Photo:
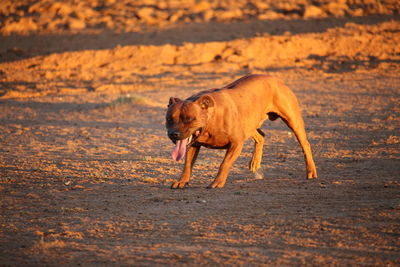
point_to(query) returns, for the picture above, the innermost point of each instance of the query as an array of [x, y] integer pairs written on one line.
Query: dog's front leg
[[231, 155], [190, 158]]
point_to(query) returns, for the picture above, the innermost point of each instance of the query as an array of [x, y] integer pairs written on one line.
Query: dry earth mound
[[29, 16]]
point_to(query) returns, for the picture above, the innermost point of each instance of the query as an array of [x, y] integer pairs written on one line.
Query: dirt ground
[[85, 163]]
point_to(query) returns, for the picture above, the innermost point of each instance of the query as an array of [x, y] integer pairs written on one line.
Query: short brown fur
[[230, 115]]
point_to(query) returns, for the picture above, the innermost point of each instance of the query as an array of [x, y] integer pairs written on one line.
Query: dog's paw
[[312, 174], [255, 163], [216, 184], [254, 166], [179, 185]]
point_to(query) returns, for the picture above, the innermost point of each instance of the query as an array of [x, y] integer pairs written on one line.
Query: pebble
[[337, 9], [76, 24], [313, 12]]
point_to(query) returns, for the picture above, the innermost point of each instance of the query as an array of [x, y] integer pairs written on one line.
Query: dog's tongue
[[180, 149]]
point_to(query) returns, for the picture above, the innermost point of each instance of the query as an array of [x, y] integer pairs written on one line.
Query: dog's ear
[[206, 101], [173, 100]]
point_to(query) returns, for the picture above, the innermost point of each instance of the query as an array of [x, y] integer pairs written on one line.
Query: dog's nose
[[173, 135]]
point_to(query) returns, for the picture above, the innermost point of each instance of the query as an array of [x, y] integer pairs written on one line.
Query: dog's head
[[185, 121]]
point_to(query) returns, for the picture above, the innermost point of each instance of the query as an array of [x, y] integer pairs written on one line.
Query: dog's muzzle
[[173, 135]]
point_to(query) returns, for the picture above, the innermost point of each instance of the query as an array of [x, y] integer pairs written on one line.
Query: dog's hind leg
[[289, 111], [255, 162]]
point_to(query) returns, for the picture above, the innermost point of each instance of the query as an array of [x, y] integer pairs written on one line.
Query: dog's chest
[[214, 140]]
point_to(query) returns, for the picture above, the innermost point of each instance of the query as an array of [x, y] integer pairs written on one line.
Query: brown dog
[[224, 118]]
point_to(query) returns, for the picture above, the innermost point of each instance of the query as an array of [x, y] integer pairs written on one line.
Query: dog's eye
[[169, 120], [188, 120]]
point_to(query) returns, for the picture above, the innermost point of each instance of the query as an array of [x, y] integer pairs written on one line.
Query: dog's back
[[249, 100]]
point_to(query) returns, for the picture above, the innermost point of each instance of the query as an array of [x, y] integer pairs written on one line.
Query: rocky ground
[[85, 163]]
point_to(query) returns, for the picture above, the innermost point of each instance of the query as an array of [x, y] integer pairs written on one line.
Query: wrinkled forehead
[[183, 108]]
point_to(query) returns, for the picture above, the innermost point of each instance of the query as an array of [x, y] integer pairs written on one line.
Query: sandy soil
[[85, 164]]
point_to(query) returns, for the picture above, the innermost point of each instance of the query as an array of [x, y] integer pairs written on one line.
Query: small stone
[[146, 14], [337, 9], [357, 12], [201, 6], [208, 15], [260, 5], [269, 15], [23, 25], [229, 14], [76, 24], [176, 16], [313, 12]]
